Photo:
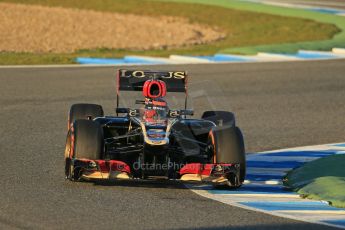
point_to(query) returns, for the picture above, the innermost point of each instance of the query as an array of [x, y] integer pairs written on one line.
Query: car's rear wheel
[[228, 148], [220, 118], [85, 140], [84, 111]]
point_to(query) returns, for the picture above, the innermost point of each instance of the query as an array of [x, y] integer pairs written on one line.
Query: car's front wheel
[[228, 148], [85, 140]]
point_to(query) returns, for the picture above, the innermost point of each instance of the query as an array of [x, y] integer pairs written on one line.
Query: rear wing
[[134, 80]]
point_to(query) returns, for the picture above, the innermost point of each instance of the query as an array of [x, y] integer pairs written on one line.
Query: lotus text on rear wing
[[144, 74]]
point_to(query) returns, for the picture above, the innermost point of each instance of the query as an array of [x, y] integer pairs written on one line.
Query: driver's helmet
[[154, 89]]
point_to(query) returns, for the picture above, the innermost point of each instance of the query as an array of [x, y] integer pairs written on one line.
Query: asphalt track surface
[[277, 105]]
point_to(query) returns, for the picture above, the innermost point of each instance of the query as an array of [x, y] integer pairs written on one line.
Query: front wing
[[217, 174]]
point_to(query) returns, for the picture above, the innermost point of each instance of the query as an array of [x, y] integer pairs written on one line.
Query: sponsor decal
[[146, 74]]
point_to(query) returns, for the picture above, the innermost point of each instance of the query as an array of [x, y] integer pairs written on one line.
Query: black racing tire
[[243, 151], [88, 140], [229, 148], [87, 143], [223, 119], [84, 111]]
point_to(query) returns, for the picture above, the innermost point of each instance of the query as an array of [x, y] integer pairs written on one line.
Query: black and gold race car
[[152, 140]]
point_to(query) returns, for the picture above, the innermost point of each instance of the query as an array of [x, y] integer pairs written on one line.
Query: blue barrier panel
[[100, 61], [311, 55], [224, 58], [258, 177], [252, 191], [327, 10], [284, 206], [234, 58], [266, 164], [320, 153], [210, 58]]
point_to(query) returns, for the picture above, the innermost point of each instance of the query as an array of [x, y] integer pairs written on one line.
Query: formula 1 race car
[[152, 140]]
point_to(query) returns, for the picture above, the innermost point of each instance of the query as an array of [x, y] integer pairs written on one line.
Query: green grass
[[242, 28], [281, 47], [322, 179]]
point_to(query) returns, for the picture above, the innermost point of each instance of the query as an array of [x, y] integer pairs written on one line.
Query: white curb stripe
[[273, 56], [338, 51], [187, 59]]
